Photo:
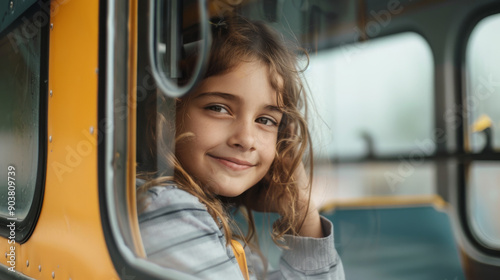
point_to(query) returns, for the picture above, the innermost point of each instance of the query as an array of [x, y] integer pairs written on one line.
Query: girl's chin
[[227, 191]]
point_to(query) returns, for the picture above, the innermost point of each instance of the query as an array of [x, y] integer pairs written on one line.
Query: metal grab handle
[[162, 82]]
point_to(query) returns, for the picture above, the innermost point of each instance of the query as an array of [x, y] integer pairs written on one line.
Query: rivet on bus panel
[[50, 93], [40, 268], [51, 26], [27, 263], [50, 138], [53, 275], [91, 130]]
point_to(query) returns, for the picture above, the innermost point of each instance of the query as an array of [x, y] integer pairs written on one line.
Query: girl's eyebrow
[[216, 93], [274, 108]]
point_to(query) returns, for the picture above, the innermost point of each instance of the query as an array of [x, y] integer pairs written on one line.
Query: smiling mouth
[[232, 163]]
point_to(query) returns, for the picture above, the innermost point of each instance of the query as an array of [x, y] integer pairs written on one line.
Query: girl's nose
[[243, 135]]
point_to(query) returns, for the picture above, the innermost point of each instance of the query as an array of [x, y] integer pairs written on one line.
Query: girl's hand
[[306, 207], [312, 223]]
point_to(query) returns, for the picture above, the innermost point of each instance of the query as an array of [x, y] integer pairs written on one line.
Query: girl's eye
[[217, 108], [266, 121]]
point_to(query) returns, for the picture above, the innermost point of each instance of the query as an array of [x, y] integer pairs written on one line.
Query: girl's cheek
[[263, 140], [269, 143]]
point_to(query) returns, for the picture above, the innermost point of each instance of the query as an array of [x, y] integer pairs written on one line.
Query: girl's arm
[[307, 258], [312, 253], [312, 224]]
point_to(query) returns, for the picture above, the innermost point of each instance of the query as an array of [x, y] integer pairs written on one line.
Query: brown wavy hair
[[236, 40]]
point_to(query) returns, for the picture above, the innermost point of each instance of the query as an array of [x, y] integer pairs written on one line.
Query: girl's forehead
[[244, 75], [273, 76], [249, 77], [250, 81]]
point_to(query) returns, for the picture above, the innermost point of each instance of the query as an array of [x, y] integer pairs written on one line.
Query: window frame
[[113, 155], [25, 227], [466, 157]]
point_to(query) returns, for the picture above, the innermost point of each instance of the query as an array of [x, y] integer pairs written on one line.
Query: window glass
[[483, 85], [483, 196], [19, 111], [374, 98]]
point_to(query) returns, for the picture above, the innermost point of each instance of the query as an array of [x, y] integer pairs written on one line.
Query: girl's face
[[234, 121]]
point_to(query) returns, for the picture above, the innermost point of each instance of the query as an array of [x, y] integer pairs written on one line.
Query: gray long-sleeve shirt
[[178, 232]]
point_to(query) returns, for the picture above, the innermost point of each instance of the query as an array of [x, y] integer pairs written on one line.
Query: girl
[[240, 140]]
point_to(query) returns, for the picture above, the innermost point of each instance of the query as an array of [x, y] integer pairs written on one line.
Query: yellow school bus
[[407, 97]]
